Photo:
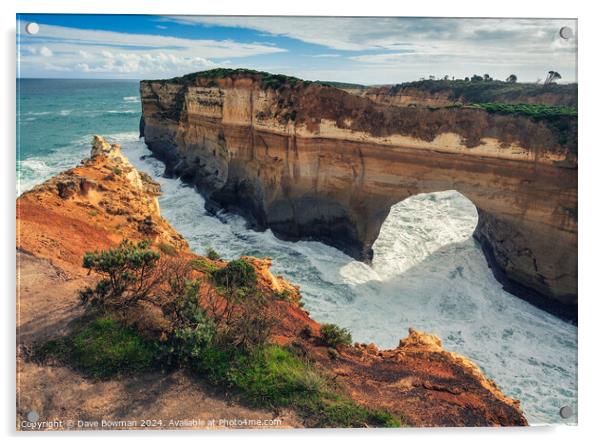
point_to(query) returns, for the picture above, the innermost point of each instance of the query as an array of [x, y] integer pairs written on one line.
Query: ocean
[[428, 272]]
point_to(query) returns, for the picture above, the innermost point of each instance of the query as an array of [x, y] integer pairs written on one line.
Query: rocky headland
[[312, 161], [105, 200]]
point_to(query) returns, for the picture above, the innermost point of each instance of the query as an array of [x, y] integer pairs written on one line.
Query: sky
[[367, 50]]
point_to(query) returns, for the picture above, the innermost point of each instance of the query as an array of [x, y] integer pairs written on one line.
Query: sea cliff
[[104, 201], [311, 161]]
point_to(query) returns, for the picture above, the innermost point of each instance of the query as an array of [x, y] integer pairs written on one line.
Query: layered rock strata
[[315, 162]]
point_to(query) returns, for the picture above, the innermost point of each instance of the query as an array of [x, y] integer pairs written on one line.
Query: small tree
[[239, 309], [511, 78], [128, 273], [553, 76], [212, 254]]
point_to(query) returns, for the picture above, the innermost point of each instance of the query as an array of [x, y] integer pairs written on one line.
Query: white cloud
[[123, 54], [419, 46], [45, 51], [390, 33]]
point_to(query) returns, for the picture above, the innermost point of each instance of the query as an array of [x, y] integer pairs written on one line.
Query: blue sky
[[347, 49]]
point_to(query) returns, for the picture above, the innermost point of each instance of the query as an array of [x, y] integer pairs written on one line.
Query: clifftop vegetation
[[486, 91], [268, 80], [225, 340]]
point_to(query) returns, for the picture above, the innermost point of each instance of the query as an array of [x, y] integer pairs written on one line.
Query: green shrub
[[212, 254], [128, 273], [242, 319], [167, 249], [238, 273], [536, 111], [334, 336], [202, 265], [192, 333]]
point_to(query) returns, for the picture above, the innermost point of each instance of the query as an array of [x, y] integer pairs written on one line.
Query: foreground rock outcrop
[[96, 205], [316, 162]]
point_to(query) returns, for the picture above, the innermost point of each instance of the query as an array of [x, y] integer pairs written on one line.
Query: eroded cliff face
[[105, 200], [315, 162]]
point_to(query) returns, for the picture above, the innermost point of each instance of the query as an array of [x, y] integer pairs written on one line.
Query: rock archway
[[331, 171]]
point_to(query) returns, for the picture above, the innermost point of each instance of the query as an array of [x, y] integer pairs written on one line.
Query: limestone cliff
[[105, 200], [315, 162]]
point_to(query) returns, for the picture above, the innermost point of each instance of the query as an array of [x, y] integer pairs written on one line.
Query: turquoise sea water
[[428, 272], [56, 118]]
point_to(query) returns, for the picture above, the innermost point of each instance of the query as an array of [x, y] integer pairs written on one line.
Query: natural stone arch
[[335, 181]]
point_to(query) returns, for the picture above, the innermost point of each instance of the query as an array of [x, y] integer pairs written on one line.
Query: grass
[[102, 349], [274, 377]]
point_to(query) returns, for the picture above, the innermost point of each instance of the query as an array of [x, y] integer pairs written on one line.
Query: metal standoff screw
[[32, 28], [566, 32], [566, 412]]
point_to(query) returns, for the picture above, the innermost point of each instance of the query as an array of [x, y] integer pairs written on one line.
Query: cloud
[[125, 63], [125, 54], [161, 27], [354, 49], [389, 33], [422, 46], [45, 51]]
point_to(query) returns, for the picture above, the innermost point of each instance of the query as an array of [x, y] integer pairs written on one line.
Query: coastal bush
[[167, 249], [334, 336], [242, 318], [201, 265], [128, 273], [237, 274], [212, 254], [536, 111], [193, 330]]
